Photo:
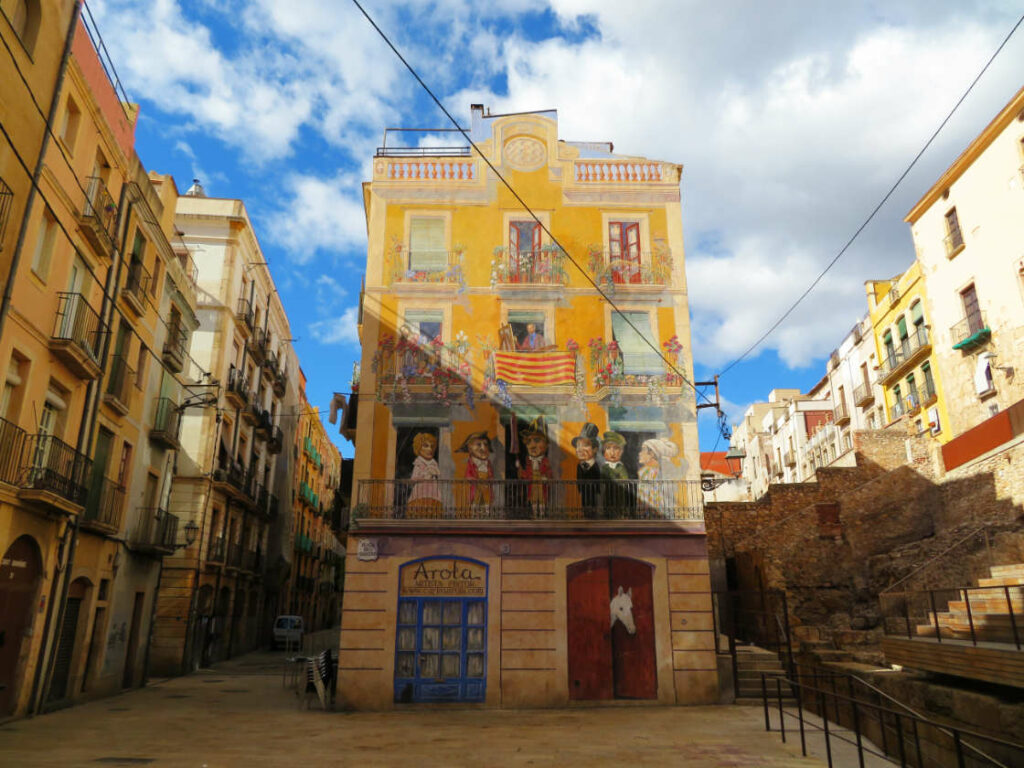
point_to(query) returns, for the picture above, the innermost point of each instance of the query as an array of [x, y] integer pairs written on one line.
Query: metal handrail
[[932, 559], [931, 609]]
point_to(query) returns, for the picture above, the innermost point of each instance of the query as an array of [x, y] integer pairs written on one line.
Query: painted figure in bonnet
[[479, 469], [652, 497], [425, 498]]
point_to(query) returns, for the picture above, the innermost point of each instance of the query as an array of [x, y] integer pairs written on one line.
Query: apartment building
[[313, 587], [526, 453], [968, 230], [86, 345], [219, 596]]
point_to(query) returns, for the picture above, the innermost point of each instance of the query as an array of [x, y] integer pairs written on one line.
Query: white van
[[288, 632]]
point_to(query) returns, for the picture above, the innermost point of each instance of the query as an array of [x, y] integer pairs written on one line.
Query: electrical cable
[[878, 207], [526, 207]]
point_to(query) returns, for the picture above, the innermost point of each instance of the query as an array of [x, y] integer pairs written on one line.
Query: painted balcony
[[426, 268], [76, 335], [971, 333], [525, 500], [155, 533], [408, 370], [104, 507], [617, 271], [911, 350], [445, 165], [99, 216], [621, 172], [166, 423], [513, 268], [136, 287]]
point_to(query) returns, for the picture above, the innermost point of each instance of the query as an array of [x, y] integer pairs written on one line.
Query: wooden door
[[589, 640], [20, 571], [608, 661], [66, 641]]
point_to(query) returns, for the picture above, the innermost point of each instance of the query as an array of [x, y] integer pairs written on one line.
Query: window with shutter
[[631, 330], [624, 251], [427, 251]]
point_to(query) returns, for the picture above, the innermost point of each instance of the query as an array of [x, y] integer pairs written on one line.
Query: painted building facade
[[526, 463], [219, 596], [968, 230]]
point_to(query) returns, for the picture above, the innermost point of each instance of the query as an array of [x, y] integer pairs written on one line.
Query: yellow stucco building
[[903, 338], [526, 449]]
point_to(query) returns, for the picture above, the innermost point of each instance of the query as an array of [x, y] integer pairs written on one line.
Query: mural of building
[[313, 587], [526, 463], [96, 320], [968, 230], [219, 596]]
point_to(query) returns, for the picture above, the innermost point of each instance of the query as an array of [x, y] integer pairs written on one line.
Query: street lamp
[[191, 532], [737, 455]]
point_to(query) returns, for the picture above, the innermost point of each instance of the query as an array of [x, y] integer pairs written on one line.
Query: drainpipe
[[5, 303]]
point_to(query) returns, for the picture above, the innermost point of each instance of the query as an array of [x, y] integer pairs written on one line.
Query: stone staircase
[[990, 609], [751, 663]]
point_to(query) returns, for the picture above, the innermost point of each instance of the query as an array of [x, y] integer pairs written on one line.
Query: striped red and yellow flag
[[535, 369]]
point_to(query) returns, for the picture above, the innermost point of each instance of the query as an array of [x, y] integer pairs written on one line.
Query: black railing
[[156, 528], [166, 421], [527, 499], [13, 442], [863, 395], [234, 554], [273, 506], [119, 384], [100, 209], [245, 314], [424, 151], [6, 204], [78, 323], [751, 617], [971, 326], [50, 464], [238, 384], [843, 708], [136, 284], [258, 345], [175, 346], [215, 552], [104, 505], [965, 614], [276, 441], [896, 358]]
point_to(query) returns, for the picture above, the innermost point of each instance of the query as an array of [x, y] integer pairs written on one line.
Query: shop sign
[[443, 577]]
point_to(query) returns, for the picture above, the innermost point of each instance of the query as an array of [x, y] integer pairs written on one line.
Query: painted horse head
[[622, 610]]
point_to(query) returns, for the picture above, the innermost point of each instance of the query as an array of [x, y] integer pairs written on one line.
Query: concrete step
[[987, 605], [1001, 581], [761, 664], [751, 701], [1016, 569]]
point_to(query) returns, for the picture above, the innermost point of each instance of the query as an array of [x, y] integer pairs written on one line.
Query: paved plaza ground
[[240, 714]]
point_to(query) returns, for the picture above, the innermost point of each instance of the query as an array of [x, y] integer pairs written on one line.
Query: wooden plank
[[993, 665]]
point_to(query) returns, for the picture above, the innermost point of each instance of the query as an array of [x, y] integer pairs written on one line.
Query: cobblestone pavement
[[240, 714]]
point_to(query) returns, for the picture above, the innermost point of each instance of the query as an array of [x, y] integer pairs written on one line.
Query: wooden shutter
[[637, 355], [513, 238], [535, 240], [631, 251]]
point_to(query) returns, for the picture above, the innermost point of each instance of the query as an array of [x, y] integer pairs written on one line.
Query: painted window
[[624, 251], [427, 251], [524, 237], [529, 329], [425, 325], [632, 331]]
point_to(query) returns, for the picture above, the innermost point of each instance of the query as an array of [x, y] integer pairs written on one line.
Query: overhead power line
[[526, 207], [876, 209]]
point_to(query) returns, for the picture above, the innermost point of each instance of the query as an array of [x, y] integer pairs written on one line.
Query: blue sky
[[790, 126]]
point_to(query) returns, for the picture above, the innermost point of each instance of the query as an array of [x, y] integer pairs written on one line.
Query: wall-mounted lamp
[[191, 533]]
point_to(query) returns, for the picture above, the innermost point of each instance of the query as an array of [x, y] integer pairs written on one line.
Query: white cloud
[[318, 215], [337, 330]]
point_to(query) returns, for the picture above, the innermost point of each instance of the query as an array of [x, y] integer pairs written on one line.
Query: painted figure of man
[[533, 341], [588, 471], [479, 470], [617, 492], [536, 469]]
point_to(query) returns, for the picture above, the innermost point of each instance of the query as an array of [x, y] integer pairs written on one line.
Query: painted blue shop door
[[441, 649]]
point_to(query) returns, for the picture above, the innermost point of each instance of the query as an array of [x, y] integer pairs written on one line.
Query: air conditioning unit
[[934, 425]]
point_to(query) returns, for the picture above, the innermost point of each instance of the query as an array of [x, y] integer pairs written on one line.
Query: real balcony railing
[[156, 531], [275, 443], [49, 465], [245, 316], [789, 459], [175, 348], [263, 426], [270, 365], [899, 359], [99, 215], [166, 423], [525, 500], [13, 442], [841, 414], [120, 384], [258, 346], [971, 332], [863, 395], [234, 555], [136, 287], [280, 382], [104, 506], [273, 506], [215, 551], [6, 204], [76, 335], [237, 390]]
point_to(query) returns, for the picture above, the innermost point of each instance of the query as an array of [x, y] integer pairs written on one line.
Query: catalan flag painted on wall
[[535, 368]]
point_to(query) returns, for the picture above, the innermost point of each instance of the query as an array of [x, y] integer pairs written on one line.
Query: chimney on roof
[[196, 190]]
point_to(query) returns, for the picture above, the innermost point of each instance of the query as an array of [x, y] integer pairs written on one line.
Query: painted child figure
[[652, 499], [479, 470], [617, 493], [425, 498], [536, 469], [588, 471]]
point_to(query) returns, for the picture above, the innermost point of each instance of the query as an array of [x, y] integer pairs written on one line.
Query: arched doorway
[[21, 570], [609, 658], [67, 641]]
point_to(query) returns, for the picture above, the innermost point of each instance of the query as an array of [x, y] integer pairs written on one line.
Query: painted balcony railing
[[426, 169], [444, 267], [616, 269], [529, 500], [540, 267], [618, 171]]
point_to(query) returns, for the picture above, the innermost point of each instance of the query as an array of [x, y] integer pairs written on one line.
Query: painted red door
[[589, 636], [633, 659]]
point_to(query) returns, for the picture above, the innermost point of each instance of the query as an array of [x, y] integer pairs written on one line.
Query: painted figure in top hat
[[479, 469], [536, 468], [617, 493], [588, 471]]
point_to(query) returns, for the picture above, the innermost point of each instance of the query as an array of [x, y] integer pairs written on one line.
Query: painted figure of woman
[[425, 498], [652, 496]]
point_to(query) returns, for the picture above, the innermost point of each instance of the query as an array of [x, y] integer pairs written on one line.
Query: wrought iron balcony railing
[[526, 500], [238, 386], [104, 505], [76, 334], [136, 286], [863, 395], [909, 351], [175, 347], [166, 422], [215, 551], [971, 332], [119, 383], [99, 214], [6, 204], [156, 530], [841, 414], [954, 243], [50, 464], [13, 441], [245, 315]]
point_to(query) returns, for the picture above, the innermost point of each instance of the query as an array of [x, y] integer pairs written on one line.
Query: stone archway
[[21, 570]]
